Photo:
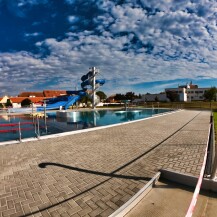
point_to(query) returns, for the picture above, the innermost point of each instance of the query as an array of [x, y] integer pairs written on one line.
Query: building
[[111, 99], [31, 94], [181, 92], [189, 92], [4, 100], [159, 97], [45, 93], [196, 94], [54, 93], [17, 101], [185, 93]]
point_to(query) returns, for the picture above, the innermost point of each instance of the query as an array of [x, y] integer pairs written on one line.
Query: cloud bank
[[131, 43]]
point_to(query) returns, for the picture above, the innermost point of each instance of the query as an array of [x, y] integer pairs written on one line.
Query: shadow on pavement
[[110, 175]]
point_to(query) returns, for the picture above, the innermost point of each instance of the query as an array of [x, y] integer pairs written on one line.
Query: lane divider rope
[[199, 182]]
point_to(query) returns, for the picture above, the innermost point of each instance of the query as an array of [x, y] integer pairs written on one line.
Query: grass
[[215, 123], [183, 105]]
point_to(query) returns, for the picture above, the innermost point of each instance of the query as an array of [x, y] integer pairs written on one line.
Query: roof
[[37, 99], [4, 99], [112, 96], [193, 86], [32, 99], [17, 99], [28, 94], [45, 93], [53, 93]]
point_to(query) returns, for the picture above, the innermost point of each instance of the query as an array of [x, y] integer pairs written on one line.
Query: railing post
[[38, 127], [35, 124], [214, 165], [20, 134], [45, 114], [32, 113]]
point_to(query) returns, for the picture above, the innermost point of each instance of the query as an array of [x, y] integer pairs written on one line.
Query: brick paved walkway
[[94, 173]]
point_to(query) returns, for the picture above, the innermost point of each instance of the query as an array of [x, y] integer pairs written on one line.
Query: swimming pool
[[15, 127]]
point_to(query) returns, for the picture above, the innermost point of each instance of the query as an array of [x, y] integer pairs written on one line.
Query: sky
[[137, 45]]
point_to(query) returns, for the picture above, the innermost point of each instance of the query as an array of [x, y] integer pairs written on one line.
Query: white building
[[185, 93], [188, 93], [180, 91], [196, 94]]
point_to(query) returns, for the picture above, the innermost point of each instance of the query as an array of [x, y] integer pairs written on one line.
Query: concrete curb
[[130, 204], [188, 180]]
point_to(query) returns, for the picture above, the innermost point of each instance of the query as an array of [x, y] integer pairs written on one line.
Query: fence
[[19, 127]]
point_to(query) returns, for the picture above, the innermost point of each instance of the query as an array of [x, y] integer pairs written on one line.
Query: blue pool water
[[58, 122]]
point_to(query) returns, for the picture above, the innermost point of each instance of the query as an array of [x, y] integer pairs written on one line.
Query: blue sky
[[138, 45]]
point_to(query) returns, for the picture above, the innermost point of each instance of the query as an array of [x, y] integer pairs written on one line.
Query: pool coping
[[10, 142]]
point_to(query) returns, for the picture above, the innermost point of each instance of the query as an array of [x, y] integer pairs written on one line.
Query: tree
[[85, 99], [130, 96], [172, 96], [156, 99], [119, 97], [210, 94], [26, 102], [8, 103], [101, 95]]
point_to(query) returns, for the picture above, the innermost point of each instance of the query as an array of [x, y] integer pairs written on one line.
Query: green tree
[[26, 102], [8, 103], [172, 96], [130, 96], [119, 97], [85, 99], [210, 94], [101, 95]]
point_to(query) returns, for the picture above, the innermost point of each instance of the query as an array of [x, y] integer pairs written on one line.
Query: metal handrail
[[214, 165]]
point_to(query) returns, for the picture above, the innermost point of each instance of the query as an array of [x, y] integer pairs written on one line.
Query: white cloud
[[70, 1], [156, 40], [34, 34], [72, 19]]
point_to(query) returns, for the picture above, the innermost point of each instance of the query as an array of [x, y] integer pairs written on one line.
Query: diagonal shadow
[[110, 175], [113, 175]]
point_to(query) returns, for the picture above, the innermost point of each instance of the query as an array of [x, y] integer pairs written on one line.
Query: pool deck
[[94, 173]]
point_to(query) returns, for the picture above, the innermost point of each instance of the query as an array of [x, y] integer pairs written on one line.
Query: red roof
[[28, 94], [37, 99], [45, 93], [33, 99], [193, 86], [17, 99], [54, 93]]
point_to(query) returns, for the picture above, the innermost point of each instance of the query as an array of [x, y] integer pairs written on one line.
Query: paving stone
[[94, 173]]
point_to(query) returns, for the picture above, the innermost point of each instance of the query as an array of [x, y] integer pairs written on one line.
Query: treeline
[[128, 96]]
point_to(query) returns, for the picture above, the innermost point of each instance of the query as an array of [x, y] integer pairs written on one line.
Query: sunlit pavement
[[94, 173]]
